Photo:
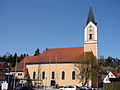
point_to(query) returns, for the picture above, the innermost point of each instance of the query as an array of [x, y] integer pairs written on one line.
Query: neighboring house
[[2, 73], [21, 72], [20, 68], [111, 75], [56, 66]]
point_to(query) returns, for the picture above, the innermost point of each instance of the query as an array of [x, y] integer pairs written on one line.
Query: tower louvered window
[[90, 36]]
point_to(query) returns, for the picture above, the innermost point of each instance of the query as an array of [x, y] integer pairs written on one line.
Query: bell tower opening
[[90, 36]]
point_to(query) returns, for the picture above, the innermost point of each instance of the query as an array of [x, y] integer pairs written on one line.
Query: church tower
[[90, 34]]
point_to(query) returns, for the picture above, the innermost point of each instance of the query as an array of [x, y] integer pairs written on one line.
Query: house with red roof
[[111, 75]]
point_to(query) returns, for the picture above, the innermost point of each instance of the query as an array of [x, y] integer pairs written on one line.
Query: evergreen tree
[[14, 59], [37, 52]]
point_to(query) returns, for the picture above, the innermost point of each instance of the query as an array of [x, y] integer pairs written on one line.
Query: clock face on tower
[[90, 30]]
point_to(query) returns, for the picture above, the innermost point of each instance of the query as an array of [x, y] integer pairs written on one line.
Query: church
[[56, 66]]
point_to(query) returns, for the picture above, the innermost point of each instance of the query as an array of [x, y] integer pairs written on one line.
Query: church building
[[56, 66]]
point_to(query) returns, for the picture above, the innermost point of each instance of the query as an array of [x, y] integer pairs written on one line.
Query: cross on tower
[[90, 2]]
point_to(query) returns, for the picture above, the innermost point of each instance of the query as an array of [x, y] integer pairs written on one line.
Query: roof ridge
[[63, 48]]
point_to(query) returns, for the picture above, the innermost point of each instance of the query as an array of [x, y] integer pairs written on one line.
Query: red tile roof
[[59, 55], [117, 75], [1, 67]]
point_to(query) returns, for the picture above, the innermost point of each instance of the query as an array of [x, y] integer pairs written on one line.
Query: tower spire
[[91, 33], [90, 15]]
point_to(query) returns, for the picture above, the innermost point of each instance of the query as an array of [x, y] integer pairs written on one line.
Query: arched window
[[90, 36], [43, 75], [73, 75], [34, 75], [63, 75], [53, 75]]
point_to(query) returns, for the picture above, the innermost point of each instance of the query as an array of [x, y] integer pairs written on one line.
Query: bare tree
[[86, 68]]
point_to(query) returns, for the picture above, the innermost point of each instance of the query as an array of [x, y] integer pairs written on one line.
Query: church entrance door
[[53, 83]]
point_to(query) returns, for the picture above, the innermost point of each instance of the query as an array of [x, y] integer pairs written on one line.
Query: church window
[[53, 75], [34, 75], [73, 75], [63, 75], [90, 36], [43, 75]]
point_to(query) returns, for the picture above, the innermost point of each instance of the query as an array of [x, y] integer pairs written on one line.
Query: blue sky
[[32, 24]]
